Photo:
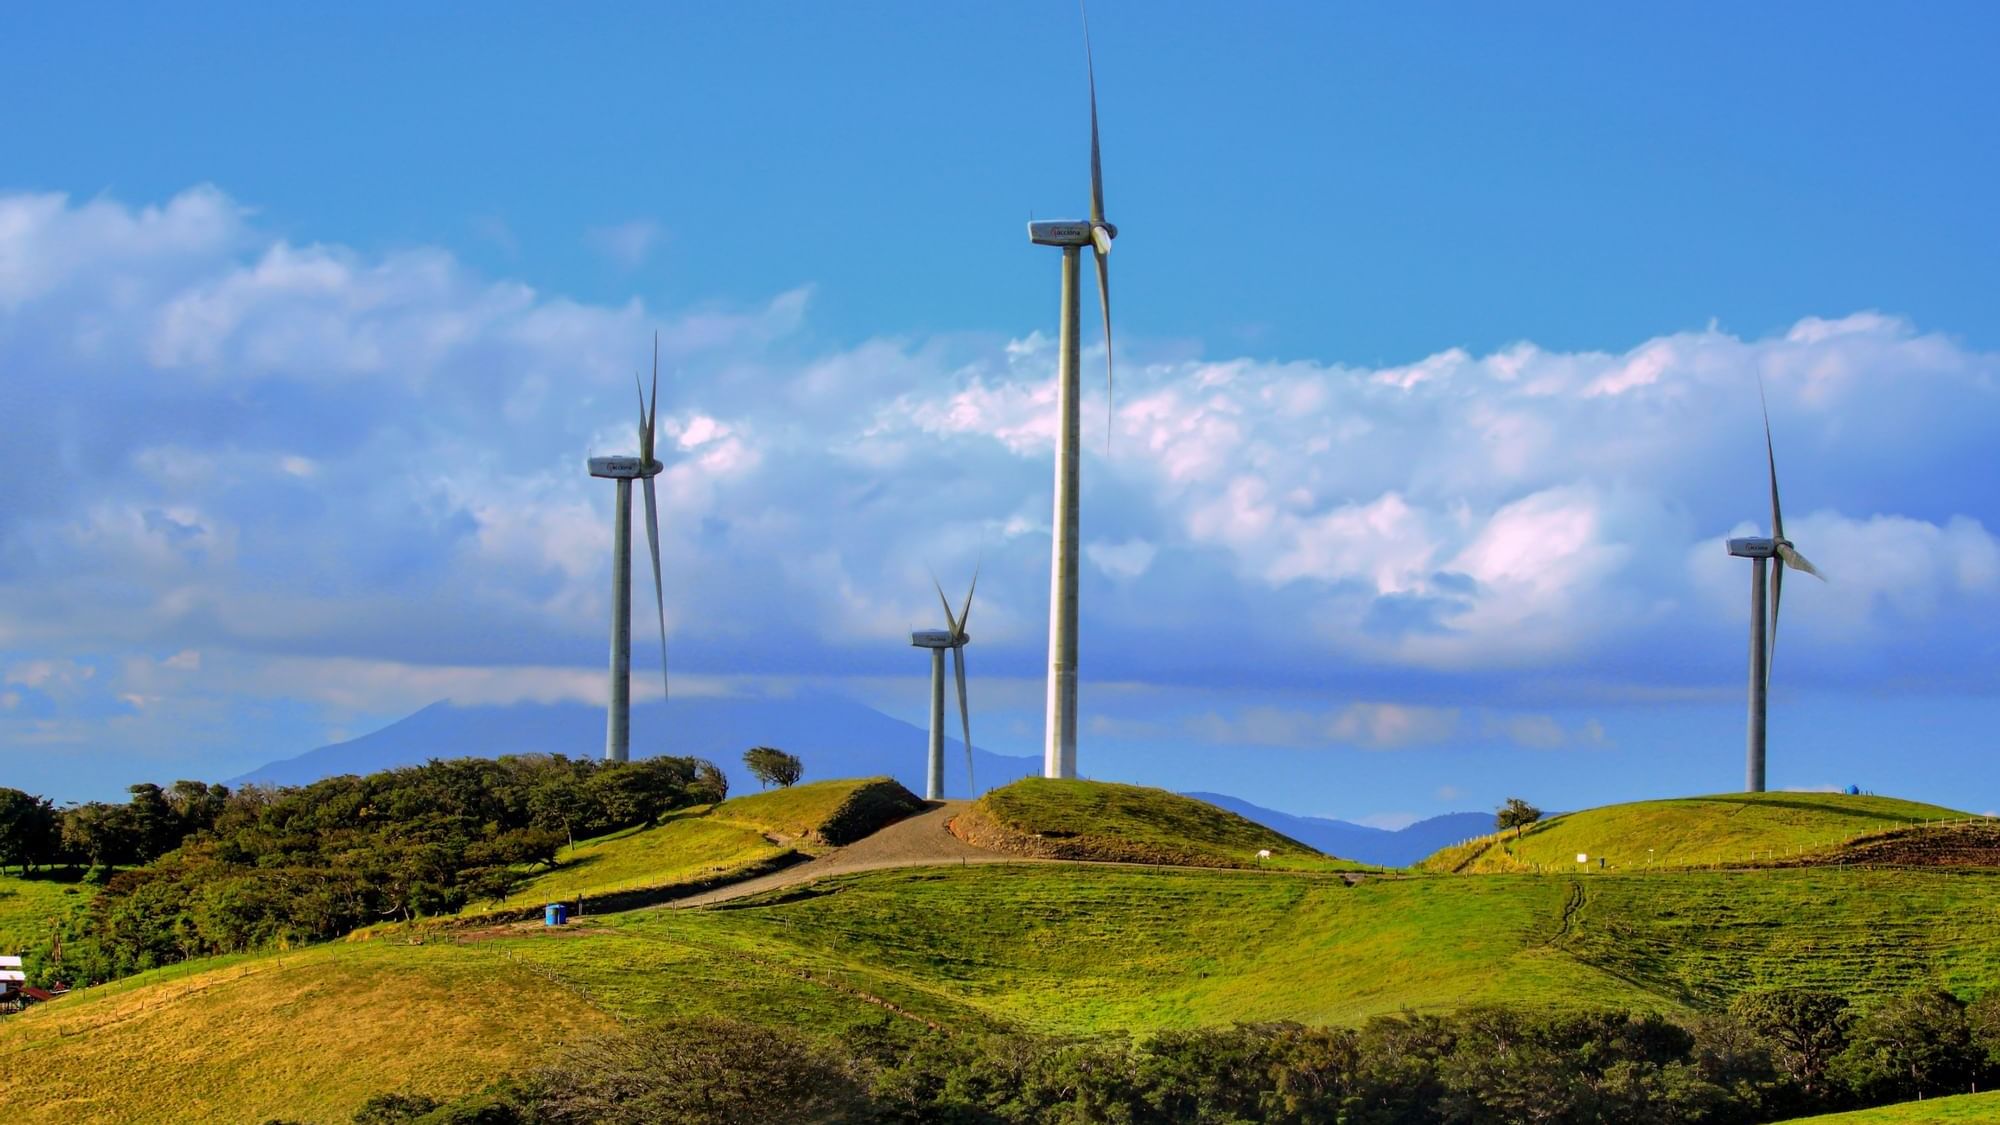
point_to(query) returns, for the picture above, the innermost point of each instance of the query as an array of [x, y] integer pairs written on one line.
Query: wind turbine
[[938, 640], [1763, 645], [625, 470], [1059, 740]]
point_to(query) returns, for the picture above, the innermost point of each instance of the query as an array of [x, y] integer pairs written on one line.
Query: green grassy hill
[[1031, 946], [686, 850], [708, 844], [1730, 829], [822, 813], [1963, 1108], [27, 907], [1097, 820]]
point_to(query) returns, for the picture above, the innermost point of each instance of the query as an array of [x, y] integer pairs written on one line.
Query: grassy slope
[[822, 812], [686, 849], [1735, 828], [27, 905], [1964, 1107], [710, 842], [1073, 949], [1127, 823]]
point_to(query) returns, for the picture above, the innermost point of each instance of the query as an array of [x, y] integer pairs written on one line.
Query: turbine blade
[[645, 430], [965, 614], [1797, 561], [659, 595], [964, 715], [950, 621], [1104, 300], [1771, 458], [653, 410], [1096, 166], [1777, 599]]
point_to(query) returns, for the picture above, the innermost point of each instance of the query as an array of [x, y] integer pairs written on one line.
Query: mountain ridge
[[833, 735]]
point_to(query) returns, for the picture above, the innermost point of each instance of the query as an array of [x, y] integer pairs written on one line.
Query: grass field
[[1732, 830], [1963, 1108], [707, 843], [1044, 947], [28, 905], [1126, 823], [685, 849]]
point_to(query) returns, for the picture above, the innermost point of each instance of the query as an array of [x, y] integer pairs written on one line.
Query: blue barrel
[[555, 914]]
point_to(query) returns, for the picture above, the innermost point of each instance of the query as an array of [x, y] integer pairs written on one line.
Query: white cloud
[[1121, 560], [401, 484], [1369, 726], [625, 244]]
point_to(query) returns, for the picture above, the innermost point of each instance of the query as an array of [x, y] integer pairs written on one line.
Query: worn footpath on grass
[[923, 840]]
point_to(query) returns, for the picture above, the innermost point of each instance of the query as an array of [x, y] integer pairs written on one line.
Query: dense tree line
[[99, 835], [221, 872], [1777, 1055]]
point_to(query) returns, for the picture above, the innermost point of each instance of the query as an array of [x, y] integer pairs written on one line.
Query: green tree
[[30, 831], [155, 826], [100, 834], [1982, 1016], [1807, 1029], [1516, 814], [701, 1070], [1911, 1046], [771, 766], [197, 804], [394, 1109]]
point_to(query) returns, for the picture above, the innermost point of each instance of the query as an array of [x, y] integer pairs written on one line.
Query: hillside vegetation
[[1730, 830], [1103, 821], [1035, 948]]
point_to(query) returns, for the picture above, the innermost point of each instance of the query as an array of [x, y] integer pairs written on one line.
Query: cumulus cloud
[[625, 244], [307, 452], [1370, 726]]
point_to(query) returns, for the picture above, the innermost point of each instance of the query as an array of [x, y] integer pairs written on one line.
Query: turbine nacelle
[[1065, 233], [938, 638], [625, 468], [1753, 548]]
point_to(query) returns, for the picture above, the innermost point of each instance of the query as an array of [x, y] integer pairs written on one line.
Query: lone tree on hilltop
[[772, 766], [1516, 814]]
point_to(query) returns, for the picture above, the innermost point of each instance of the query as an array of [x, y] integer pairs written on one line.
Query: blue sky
[[1438, 336]]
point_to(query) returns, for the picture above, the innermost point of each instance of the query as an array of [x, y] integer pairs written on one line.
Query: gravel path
[[917, 841]]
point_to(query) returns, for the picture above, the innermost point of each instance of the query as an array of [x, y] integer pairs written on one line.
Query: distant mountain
[[833, 736], [1358, 841]]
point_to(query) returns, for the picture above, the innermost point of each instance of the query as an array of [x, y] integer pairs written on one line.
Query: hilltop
[[1106, 821], [1726, 829]]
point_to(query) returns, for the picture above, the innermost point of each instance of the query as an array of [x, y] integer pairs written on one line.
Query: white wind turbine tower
[[1780, 551], [1059, 742], [954, 638], [624, 470]]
